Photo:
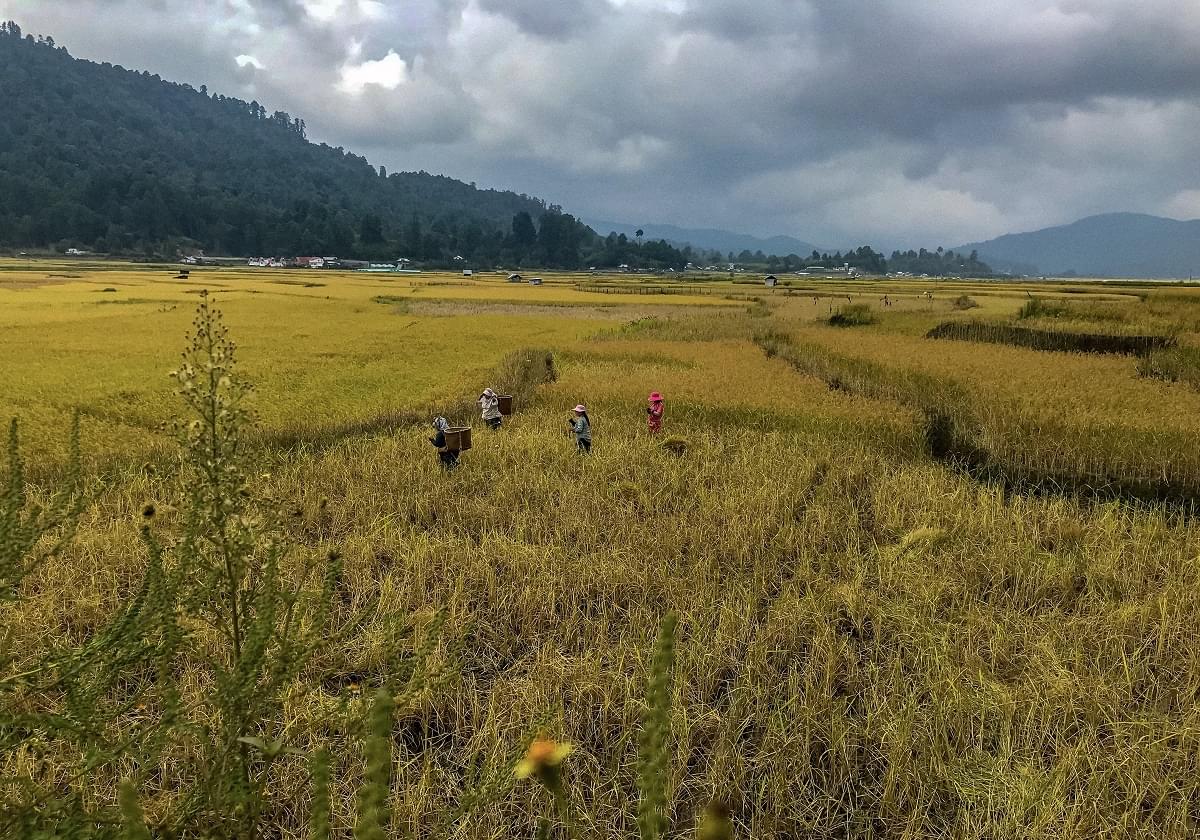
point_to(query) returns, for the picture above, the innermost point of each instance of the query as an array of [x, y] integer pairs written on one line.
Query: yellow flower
[[542, 759]]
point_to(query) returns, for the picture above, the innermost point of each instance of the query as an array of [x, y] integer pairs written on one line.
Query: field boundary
[[1062, 341], [955, 433]]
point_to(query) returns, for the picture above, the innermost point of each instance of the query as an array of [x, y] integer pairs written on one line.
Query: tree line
[[940, 262]]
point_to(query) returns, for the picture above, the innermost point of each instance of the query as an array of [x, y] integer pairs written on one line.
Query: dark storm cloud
[[942, 60], [895, 120], [556, 19], [749, 21]]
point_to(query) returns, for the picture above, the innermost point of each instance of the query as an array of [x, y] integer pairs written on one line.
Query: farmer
[[489, 404], [654, 412], [448, 457], [581, 425]]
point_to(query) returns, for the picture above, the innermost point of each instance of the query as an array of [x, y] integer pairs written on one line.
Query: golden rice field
[[873, 640], [322, 350], [1053, 412]]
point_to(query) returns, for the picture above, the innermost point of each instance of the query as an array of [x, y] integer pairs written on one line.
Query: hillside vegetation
[[111, 159]]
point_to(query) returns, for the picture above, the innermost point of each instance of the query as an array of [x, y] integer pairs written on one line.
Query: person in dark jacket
[[448, 457]]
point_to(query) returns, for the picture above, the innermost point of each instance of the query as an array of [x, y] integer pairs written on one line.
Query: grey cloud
[[742, 22], [906, 53], [548, 18], [279, 11]]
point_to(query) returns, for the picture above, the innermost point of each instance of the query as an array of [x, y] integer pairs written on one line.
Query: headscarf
[[441, 424], [488, 392]]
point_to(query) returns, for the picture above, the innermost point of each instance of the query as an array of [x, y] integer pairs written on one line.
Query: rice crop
[[1000, 438], [1054, 413], [785, 617], [322, 359]]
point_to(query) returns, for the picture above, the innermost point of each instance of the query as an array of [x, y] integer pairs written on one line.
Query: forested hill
[[99, 157]]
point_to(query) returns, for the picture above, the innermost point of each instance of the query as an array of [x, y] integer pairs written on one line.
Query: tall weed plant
[[213, 607]]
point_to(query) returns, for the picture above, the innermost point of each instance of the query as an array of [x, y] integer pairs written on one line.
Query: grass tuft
[[1175, 364], [676, 446], [853, 315], [1037, 307]]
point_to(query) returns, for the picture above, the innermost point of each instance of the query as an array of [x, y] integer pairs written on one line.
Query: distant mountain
[[711, 239], [110, 159], [1109, 245]]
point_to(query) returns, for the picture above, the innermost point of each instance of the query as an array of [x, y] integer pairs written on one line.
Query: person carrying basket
[[489, 404]]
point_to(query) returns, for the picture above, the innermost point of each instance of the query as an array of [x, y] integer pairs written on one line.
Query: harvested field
[[864, 584]]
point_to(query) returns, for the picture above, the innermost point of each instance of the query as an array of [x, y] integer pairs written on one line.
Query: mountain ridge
[[1121, 244], [713, 238]]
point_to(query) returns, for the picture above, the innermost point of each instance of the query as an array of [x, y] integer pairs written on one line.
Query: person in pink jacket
[[654, 413]]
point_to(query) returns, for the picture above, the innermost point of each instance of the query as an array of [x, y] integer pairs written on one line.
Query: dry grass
[[870, 644]]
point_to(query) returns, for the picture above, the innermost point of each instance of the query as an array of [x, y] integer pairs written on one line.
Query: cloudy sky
[[895, 122]]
